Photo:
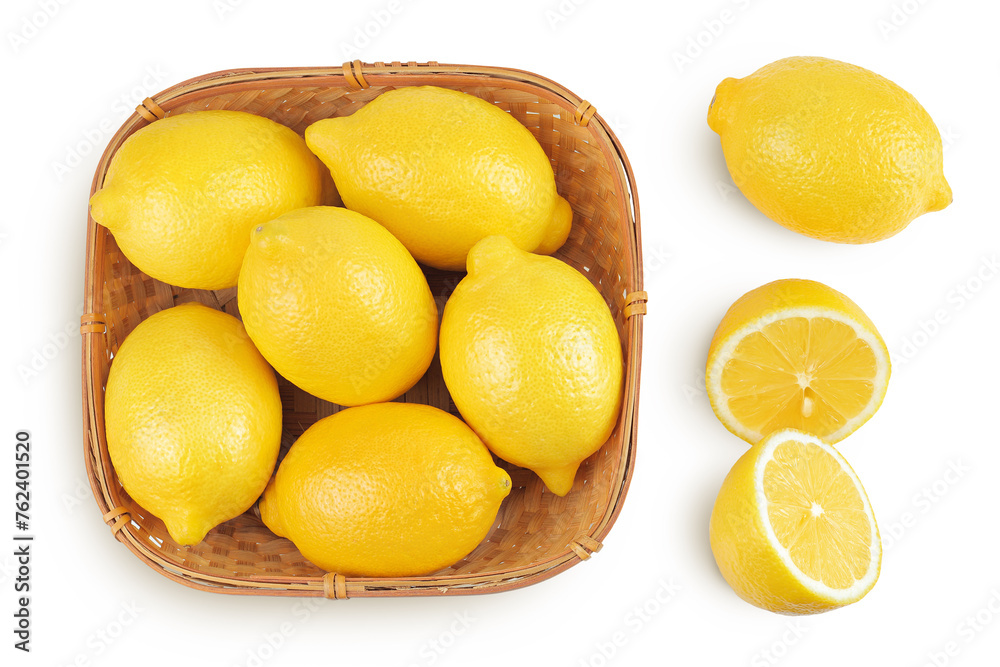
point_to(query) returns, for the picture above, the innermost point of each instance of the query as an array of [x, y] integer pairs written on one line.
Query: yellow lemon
[[385, 490], [829, 149], [337, 305], [182, 194], [441, 169], [792, 529], [531, 356], [193, 419], [796, 354]]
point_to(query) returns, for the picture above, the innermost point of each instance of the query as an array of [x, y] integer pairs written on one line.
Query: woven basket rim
[[356, 75]]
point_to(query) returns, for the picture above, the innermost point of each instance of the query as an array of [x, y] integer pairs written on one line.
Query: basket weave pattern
[[536, 534]]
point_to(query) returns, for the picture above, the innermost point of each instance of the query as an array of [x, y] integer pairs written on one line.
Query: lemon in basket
[[796, 354], [337, 305], [385, 490], [829, 149], [182, 194], [531, 357], [792, 530], [193, 419], [442, 169]]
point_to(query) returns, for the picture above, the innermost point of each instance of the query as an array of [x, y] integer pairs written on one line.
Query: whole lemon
[[182, 194], [385, 490], [532, 359], [829, 149], [193, 419], [337, 305], [441, 169]]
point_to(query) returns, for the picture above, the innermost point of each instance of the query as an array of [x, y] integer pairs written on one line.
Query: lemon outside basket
[[536, 534]]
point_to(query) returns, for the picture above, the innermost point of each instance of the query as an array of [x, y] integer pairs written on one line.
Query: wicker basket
[[536, 534]]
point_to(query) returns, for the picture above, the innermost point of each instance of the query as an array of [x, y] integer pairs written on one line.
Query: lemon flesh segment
[[818, 516], [811, 373], [796, 354]]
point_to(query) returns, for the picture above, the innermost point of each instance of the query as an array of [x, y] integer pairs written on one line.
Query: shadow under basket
[[536, 534]]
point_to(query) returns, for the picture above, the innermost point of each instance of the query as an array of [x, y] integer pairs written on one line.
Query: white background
[[76, 75]]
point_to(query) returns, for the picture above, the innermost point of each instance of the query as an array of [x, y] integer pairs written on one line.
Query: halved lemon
[[792, 529], [796, 354]]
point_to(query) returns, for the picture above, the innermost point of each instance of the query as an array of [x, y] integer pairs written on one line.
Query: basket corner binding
[[240, 557]]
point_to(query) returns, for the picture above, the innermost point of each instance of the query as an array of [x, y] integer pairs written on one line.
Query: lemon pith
[[796, 354], [792, 529]]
